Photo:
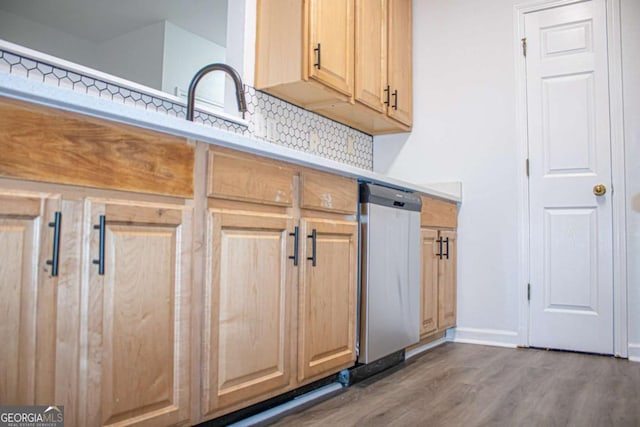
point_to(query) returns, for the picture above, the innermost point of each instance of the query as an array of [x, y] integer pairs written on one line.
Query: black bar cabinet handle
[[313, 236], [318, 53], [395, 99], [53, 262], [388, 92], [100, 261], [439, 254], [447, 243], [294, 257]]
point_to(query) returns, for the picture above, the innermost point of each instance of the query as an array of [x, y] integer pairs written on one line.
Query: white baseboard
[[634, 352], [494, 337], [419, 350]]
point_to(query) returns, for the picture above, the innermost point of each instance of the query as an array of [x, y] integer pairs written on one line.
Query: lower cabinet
[[95, 306], [439, 255], [438, 281], [279, 300], [28, 290], [132, 296], [138, 313], [327, 295], [250, 294]]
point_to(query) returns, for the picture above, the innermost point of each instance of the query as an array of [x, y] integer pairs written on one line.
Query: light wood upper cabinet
[[383, 77], [327, 308], [249, 300], [349, 60], [330, 48], [400, 61], [371, 53], [138, 316], [28, 307]]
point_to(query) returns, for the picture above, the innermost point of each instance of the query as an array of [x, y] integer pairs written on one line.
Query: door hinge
[[526, 166], [528, 291], [524, 46]]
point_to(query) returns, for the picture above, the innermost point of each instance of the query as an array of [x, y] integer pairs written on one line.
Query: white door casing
[[569, 150]]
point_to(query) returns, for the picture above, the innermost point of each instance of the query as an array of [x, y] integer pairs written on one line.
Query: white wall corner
[[634, 352], [493, 337]]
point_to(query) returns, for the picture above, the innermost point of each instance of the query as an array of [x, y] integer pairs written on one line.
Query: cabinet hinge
[[526, 166], [524, 46], [528, 291]]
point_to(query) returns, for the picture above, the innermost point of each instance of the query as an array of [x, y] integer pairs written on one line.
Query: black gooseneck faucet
[[191, 98]]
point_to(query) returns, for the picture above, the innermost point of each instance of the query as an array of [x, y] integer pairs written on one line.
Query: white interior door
[[571, 303]]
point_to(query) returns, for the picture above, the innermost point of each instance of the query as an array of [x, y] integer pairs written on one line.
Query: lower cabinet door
[[28, 299], [249, 299], [447, 281], [327, 299], [138, 314], [429, 277]]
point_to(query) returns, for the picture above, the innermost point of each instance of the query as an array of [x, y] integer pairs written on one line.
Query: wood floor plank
[[473, 385]]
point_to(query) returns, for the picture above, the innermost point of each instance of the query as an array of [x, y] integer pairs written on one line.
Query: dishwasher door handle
[[314, 237]]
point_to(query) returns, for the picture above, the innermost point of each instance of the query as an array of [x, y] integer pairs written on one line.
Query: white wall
[[135, 56], [184, 54], [630, 11], [36, 36], [464, 129]]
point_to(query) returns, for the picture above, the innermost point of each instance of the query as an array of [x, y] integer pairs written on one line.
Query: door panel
[[331, 24], [429, 316], [248, 304], [569, 239], [569, 124], [28, 303], [569, 149], [371, 53], [400, 54], [447, 281], [138, 319], [327, 313]]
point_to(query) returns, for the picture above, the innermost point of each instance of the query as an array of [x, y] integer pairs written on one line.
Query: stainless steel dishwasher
[[390, 271]]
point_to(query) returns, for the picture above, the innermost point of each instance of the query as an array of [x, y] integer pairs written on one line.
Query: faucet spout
[[191, 98]]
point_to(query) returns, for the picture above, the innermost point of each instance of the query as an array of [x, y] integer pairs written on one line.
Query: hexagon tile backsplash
[[269, 118]]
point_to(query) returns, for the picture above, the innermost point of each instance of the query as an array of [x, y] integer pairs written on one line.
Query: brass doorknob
[[599, 190]]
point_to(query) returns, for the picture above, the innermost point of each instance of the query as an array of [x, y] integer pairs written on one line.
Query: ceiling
[[100, 20]]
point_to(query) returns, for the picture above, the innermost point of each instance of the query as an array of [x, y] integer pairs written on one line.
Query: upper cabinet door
[[331, 43], [400, 57], [28, 302], [138, 314], [371, 53]]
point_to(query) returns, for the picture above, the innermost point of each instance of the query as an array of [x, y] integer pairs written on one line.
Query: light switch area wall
[[465, 130], [630, 11]]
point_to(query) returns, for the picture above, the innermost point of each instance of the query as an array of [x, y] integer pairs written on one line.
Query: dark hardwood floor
[[473, 385]]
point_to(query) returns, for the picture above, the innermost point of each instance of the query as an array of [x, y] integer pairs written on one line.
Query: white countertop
[[33, 91]]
